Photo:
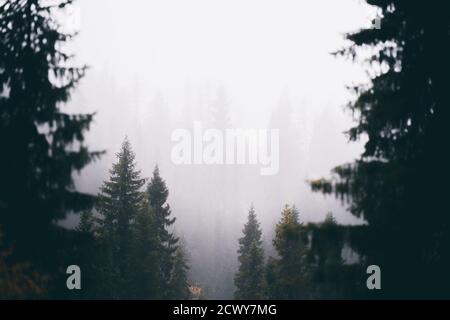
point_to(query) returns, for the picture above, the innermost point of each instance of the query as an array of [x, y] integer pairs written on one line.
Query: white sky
[[257, 49]]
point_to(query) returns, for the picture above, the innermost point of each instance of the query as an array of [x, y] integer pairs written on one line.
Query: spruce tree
[[157, 194], [178, 285], [87, 223], [87, 256], [292, 269], [41, 143], [144, 260], [249, 279], [399, 186], [271, 274], [120, 202]]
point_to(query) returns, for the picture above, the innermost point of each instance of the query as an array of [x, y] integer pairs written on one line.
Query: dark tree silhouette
[[249, 279], [289, 276], [178, 284], [128, 249], [144, 261], [332, 277], [399, 185], [17, 281], [157, 194], [41, 144], [120, 202]]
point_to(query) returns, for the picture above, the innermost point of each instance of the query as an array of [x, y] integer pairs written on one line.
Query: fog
[[156, 66]]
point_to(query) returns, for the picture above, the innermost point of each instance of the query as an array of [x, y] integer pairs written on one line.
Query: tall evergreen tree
[[399, 185], [144, 260], [134, 254], [291, 269], [120, 202], [157, 194], [87, 256], [178, 285], [273, 289], [41, 143], [250, 277]]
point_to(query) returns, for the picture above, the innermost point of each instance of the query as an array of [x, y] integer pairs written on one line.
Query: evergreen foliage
[[399, 185], [249, 280], [42, 144]]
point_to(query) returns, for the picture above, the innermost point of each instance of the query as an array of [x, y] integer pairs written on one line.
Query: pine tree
[[87, 255], [400, 183], [249, 279], [157, 194], [87, 223], [145, 263], [271, 274], [292, 269], [178, 285], [119, 204], [41, 143]]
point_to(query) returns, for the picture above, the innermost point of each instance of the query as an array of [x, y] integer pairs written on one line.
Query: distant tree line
[[399, 186], [309, 263]]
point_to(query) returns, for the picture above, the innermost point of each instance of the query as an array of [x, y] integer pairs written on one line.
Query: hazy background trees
[[210, 71]]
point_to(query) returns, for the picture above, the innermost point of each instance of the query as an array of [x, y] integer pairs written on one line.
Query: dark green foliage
[[249, 279], [17, 281], [400, 183], [128, 246], [273, 289], [326, 255], [332, 277], [157, 194], [289, 276], [119, 204], [87, 223], [311, 263], [178, 284], [86, 256], [41, 143], [144, 260]]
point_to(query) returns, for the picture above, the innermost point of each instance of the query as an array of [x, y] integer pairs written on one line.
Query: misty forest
[[91, 93]]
